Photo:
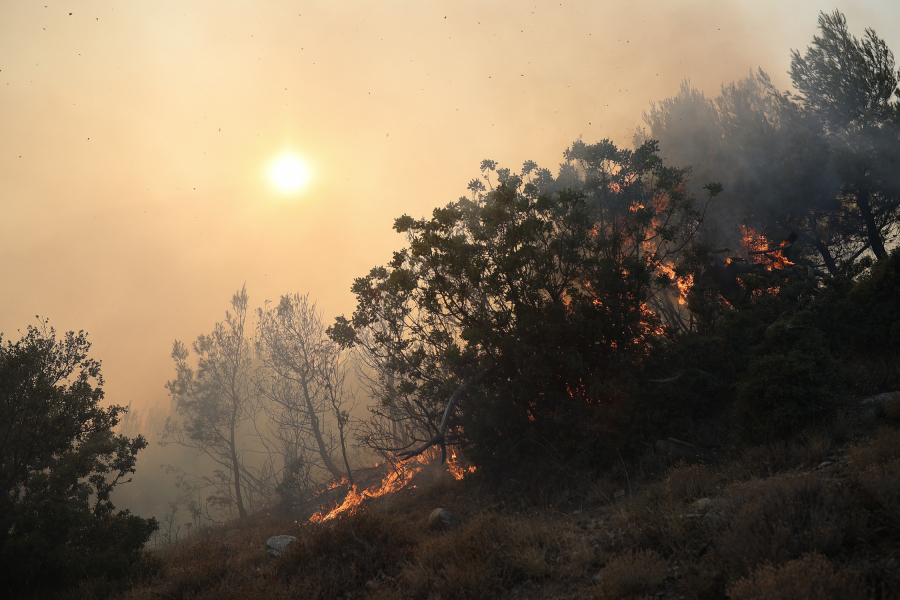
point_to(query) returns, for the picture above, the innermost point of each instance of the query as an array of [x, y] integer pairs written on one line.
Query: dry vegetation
[[817, 517]]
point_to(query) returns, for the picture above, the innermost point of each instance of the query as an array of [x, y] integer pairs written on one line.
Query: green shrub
[[790, 382], [872, 310]]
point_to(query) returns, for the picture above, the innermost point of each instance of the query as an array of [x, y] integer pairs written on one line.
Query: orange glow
[[394, 481], [456, 469], [684, 284], [754, 241], [334, 484]]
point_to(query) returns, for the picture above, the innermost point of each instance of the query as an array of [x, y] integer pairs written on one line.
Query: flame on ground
[[394, 481]]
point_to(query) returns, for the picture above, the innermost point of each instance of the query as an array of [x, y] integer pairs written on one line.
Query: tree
[[824, 163], [849, 87], [218, 399], [527, 304], [309, 383], [59, 463]]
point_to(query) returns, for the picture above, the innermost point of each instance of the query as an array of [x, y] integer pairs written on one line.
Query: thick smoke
[[820, 161]]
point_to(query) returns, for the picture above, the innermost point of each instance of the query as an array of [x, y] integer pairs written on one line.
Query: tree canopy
[[59, 463], [543, 283], [824, 162]]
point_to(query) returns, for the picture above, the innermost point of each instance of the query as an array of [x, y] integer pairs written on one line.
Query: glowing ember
[[752, 240], [334, 484]]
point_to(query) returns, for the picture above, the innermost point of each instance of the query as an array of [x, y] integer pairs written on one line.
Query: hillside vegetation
[[645, 377], [816, 516]]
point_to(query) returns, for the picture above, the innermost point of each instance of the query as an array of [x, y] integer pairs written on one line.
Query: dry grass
[[810, 577], [341, 557], [779, 519], [885, 448], [814, 446], [765, 460], [877, 475], [203, 568], [493, 552], [632, 575], [690, 482], [776, 528]]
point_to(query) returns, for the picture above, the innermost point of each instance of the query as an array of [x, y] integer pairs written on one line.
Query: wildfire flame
[[755, 243], [396, 480], [684, 284], [456, 469], [334, 484]]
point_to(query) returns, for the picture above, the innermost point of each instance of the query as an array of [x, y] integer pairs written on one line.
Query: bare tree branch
[[440, 438]]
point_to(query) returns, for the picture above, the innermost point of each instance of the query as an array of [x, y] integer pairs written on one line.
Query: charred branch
[[440, 437]]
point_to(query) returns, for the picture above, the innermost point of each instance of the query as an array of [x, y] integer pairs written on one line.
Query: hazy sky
[[135, 137]]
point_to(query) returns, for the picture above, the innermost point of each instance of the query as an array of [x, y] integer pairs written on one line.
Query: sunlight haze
[[136, 138]]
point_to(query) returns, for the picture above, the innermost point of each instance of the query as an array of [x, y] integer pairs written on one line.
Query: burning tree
[[527, 303], [824, 163]]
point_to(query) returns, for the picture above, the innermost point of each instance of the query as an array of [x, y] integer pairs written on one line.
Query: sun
[[289, 173]]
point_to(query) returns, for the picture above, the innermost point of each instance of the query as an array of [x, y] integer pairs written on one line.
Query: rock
[[441, 519], [276, 545], [702, 503], [713, 519], [875, 405], [825, 463]]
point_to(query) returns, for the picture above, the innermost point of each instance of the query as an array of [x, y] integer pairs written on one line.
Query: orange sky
[[135, 137]]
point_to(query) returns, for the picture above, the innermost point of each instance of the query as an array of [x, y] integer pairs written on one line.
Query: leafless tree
[[307, 386], [216, 402]]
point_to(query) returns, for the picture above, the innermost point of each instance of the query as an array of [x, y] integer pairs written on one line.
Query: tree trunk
[[825, 253], [344, 448], [236, 467], [314, 424], [872, 232]]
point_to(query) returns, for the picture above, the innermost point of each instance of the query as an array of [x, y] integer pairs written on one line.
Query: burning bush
[[537, 289]]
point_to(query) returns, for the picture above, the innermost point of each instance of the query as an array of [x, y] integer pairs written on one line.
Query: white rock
[[702, 503], [441, 519], [276, 545]]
